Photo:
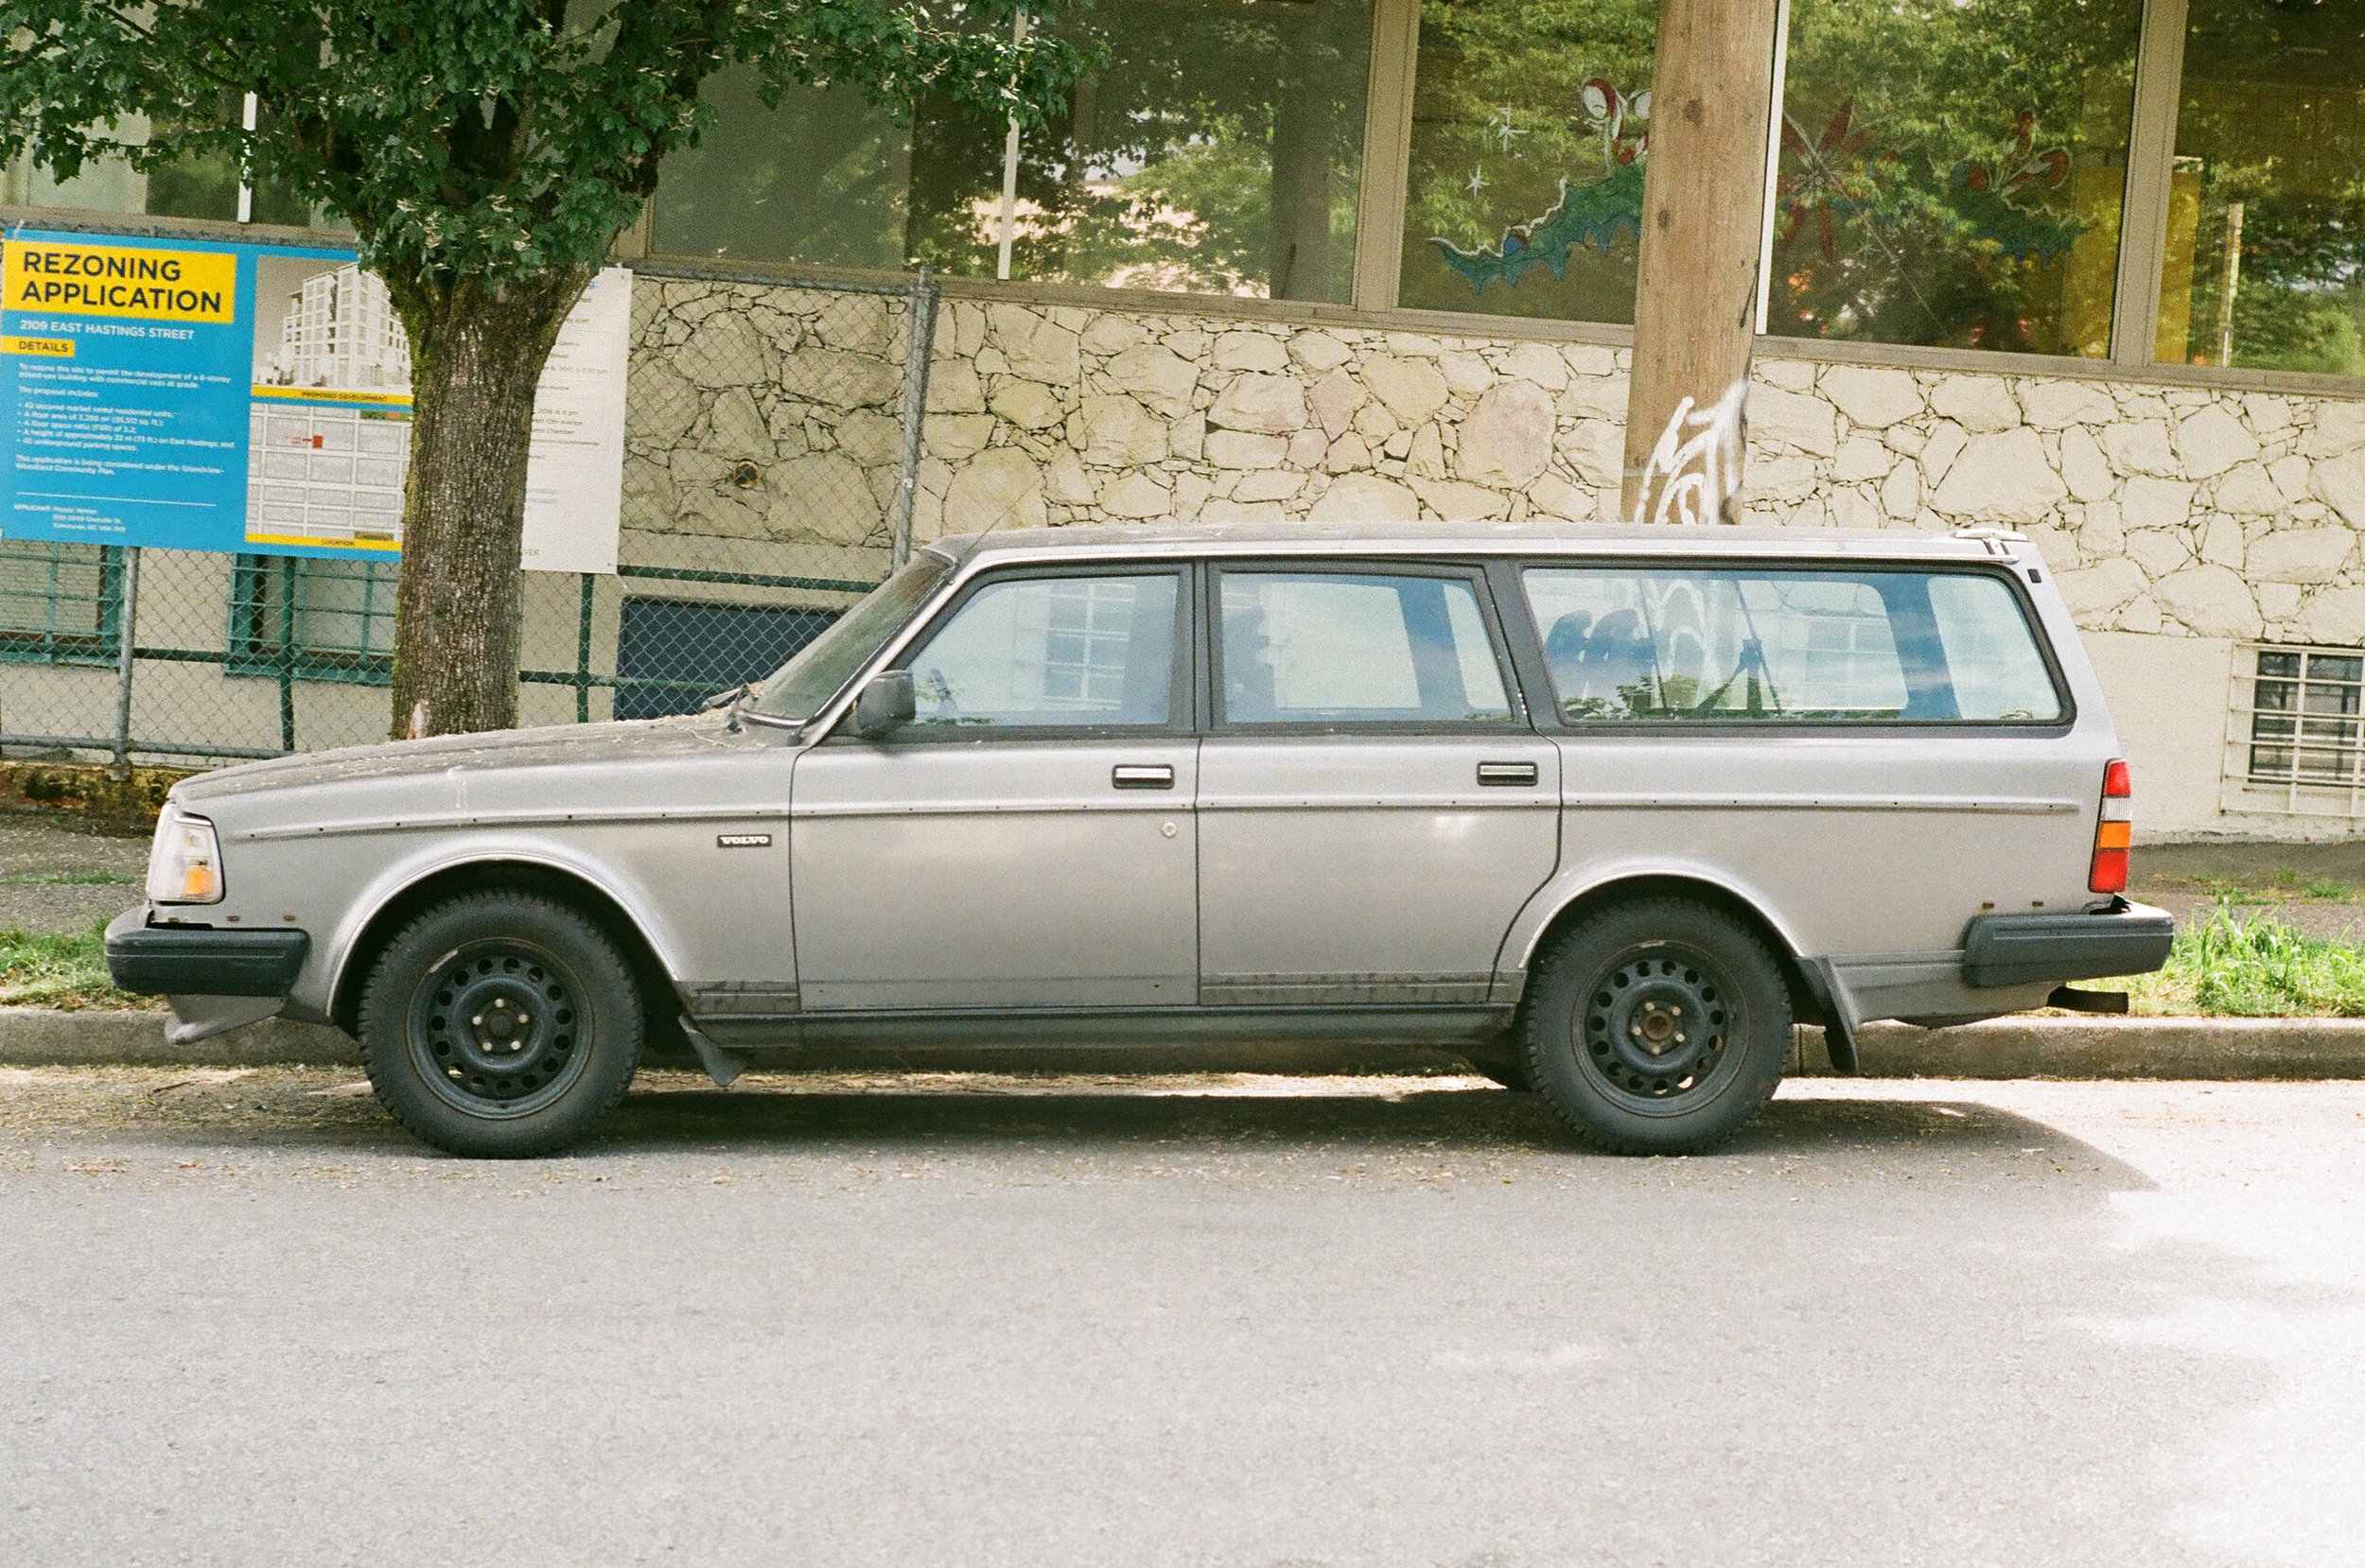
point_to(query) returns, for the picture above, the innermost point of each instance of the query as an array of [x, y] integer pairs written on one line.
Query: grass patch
[[2228, 966], [2276, 887], [55, 969], [72, 878]]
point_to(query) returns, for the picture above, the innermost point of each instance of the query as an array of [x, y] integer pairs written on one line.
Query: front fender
[[324, 978]]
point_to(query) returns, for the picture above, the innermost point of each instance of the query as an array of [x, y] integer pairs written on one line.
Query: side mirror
[[889, 701]]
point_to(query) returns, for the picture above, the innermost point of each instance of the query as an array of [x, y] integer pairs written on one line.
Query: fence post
[[127, 636], [583, 655], [918, 352], [287, 652]]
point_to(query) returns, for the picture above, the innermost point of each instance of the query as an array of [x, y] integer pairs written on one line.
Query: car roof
[[1104, 541]]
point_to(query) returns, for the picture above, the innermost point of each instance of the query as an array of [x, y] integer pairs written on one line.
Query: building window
[[1952, 172], [2301, 733], [1218, 153], [203, 188], [1531, 131], [317, 619], [824, 178], [2265, 260], [673, 653], [60, 604]]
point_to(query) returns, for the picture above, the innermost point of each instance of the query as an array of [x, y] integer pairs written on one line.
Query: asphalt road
[[1254, 1321]]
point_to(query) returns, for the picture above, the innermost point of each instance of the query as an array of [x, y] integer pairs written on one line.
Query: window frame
[[1181, 697], [1552, 721], [1519, 720], [252, 651], [103, 647]]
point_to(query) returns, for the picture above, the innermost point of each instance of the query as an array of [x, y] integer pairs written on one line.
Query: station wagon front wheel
[[1658, 1026], [500, 1025]]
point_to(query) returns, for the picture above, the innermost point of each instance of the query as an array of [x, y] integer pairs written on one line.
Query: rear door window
[[1789, 645], [1334, 647]]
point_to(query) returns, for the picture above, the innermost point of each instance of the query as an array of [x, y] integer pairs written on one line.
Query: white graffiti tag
[[1694, 472]]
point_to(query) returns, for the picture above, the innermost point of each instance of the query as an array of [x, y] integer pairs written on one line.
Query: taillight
[[2114, 832]]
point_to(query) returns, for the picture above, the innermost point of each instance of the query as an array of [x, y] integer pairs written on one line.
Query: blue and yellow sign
[[141, 389]]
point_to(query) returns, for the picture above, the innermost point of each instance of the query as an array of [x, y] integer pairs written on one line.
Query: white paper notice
[[575, 476]]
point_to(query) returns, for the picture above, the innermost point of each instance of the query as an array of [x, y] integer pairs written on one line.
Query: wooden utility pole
[[1702, 213]]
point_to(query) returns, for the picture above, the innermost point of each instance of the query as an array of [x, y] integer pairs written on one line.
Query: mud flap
[[721, 1065]]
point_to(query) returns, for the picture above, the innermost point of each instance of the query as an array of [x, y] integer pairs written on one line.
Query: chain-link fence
[[772, 449]]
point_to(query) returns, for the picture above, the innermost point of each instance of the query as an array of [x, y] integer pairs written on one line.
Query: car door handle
[[1508, 773], [1143, 776]]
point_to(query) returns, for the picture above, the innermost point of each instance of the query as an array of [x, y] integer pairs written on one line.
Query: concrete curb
[[2029, 1047]]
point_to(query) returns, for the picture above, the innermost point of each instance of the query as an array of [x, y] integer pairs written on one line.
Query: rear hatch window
[[1808, 645]]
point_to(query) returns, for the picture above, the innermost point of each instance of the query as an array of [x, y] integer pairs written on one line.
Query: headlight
[[185, 865]]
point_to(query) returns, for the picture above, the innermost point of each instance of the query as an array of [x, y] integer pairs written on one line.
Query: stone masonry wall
[[2213, 514]]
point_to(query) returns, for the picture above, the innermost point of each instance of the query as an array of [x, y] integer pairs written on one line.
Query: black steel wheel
[[1658, 1026], [501, 1024], [495, 1028]]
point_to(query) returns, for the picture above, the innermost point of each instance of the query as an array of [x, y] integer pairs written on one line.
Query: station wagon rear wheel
[[1658, 1026], [501, 1024]]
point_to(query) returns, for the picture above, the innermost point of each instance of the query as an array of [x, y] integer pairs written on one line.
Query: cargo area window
[[1799, 646], [1329, 648]]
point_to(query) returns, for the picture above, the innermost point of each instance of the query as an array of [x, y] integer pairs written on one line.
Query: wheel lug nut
[[478, 1021]]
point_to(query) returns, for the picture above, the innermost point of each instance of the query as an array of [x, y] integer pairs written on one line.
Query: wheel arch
[[1807, 997], [507, 875]]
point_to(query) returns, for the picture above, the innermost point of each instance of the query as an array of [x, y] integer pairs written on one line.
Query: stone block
[[2140, 447], [2303, 554], [1137, 496], [1274, 404], [1535, 363], [1980, 404], [2210, 440], [955, 437], [1507, 439], [1034, 345], [2096, 591], [2000, 476], [1873, 398], [1245, 449], [1457, 502], [2051, 405], [1414, 390], [1862, 457], [2248, 491], [1156, 375], [1319, 351], [2334, 615], [1001, 487], [2211, 602], [1273, 484], [2084, 467], [1028, 405], [1466, 373], [2340, 429], [2340, 482], [1115, 431], [1242, 349], [1366, 499], [1793, 420], [2149, 503], [953, 387], [1790, 374]]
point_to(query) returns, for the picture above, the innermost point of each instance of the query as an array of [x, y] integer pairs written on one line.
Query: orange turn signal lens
[[2113, 835]]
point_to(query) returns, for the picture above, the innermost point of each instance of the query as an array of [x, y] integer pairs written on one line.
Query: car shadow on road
[[779, 1112]]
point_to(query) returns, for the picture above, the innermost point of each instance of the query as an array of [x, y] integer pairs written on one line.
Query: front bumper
[[203, 961], [2022, 949]]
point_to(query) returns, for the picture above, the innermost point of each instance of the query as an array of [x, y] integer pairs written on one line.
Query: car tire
[[1658, 1026], [500, 1025]]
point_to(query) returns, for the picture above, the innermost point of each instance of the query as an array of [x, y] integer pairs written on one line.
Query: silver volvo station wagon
[[1605, 810]]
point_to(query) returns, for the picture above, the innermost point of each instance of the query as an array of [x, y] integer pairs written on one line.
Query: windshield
[[821, 668]]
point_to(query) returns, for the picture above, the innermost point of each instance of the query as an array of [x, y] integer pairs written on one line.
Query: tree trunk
[[1695, 306], [477, 356]]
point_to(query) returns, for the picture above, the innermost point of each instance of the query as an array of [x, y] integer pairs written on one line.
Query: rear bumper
[[201, 961], [2022, 949]]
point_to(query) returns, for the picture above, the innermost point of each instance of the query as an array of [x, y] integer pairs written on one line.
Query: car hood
[[633, 741]]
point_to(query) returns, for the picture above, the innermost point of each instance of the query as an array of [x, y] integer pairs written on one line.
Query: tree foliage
[[483, 138]]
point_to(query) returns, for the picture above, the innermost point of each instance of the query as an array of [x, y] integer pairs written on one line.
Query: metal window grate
[[2296, 735], [60, 604]]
